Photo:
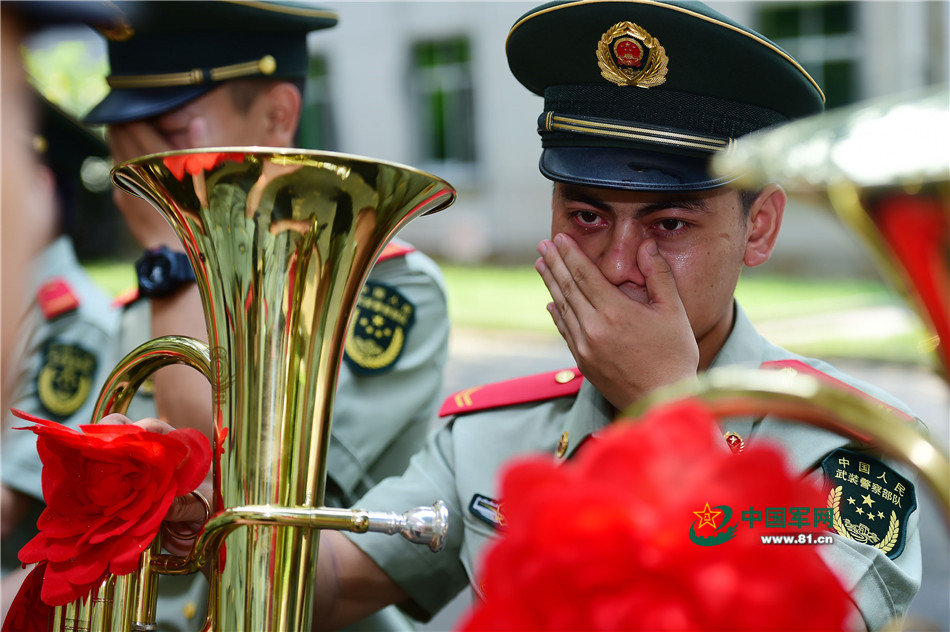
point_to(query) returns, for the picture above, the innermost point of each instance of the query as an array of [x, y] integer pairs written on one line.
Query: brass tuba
[[281, 241]]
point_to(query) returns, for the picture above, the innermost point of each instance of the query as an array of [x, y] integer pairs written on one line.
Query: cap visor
[[628, 169], [122, 106]]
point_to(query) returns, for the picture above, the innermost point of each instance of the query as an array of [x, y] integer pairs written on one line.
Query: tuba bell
[[281, 241]]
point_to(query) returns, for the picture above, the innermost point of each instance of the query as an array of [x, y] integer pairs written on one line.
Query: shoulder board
[[522, 390], [797, 366], [56, 298], [126, 298], [391, 251]]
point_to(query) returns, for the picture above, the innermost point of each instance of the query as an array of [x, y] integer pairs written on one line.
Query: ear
[[765, 218], [282, 106]]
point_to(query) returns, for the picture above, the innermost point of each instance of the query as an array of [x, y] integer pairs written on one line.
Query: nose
[[618, 261]]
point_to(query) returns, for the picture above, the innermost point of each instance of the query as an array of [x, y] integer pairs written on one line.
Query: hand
[[13, 506], [140, 138], [625, 347], [147, 225], [187, 513]]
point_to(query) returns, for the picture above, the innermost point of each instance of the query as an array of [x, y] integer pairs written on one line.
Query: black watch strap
[[162, 271]]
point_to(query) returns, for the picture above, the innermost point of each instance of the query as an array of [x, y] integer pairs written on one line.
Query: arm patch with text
[[870, 502], [378, 332]]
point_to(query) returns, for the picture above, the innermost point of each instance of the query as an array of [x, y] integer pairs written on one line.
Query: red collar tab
[[797, 366], [522, 390], [126, 298], [56, 298], [391, 251]]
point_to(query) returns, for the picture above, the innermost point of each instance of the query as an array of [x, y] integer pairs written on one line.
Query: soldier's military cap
[[37, 15], [169, 53], [63, 143], [79, 161], [638, 94]]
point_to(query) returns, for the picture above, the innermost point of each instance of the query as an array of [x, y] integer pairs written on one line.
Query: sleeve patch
[[65, 380], [381, 323], [870, 502]]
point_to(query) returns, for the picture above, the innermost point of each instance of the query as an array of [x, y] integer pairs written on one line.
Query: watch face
[[158, 276], [161, 272]]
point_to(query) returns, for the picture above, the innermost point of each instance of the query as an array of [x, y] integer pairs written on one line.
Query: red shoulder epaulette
[[127, 297], [391, 251], [56, 298], [800, 367], [522, 390]]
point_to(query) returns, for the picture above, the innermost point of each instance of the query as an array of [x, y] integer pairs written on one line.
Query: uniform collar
[[54, 259], [744, 348], [589, 414]]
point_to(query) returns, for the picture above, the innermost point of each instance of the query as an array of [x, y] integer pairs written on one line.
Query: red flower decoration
[[107, 490], [195, 163], [27, 612], [606, 541]]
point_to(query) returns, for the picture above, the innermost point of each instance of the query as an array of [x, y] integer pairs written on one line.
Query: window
[[317, 124], [822, 37], [443, 101]]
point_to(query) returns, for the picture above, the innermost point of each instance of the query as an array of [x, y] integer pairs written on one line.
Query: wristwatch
[[162, 271]]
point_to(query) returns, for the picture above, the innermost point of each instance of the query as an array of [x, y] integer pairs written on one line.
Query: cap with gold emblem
[[169, 53], [638, 94]]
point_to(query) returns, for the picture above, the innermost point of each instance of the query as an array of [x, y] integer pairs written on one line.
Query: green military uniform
[[638, 95], [68, 349], [461, 465]]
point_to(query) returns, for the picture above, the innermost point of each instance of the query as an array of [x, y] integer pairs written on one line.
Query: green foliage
[[69, 74]]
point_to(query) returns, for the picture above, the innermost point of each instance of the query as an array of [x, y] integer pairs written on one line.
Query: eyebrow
[[696, 205]]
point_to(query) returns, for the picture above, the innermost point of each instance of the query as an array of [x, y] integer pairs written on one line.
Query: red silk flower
[[606, 541], [195, 163], [107, 490]]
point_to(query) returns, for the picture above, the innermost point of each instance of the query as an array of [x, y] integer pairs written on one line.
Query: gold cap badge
[[629, 56]]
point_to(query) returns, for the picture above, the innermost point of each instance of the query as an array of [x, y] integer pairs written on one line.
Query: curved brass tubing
[[136, 367], [728, 392], [422, 525]]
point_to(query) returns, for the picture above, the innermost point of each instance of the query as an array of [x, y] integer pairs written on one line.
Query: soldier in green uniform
[[645, 254], [65, 345], [253, 60]]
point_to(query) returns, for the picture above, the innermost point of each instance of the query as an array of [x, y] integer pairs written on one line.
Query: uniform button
[[189, 610], [735, 442], [565, 376], [562, 445]]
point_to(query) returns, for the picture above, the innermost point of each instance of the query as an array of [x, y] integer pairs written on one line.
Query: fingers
[[572, 276], [193, 508], [148, 423], [557, 279], [661, 285], [185, 519], [198, 133]]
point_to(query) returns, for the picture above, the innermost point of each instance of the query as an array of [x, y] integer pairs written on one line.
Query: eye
[[587, 219], [670, 225]]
